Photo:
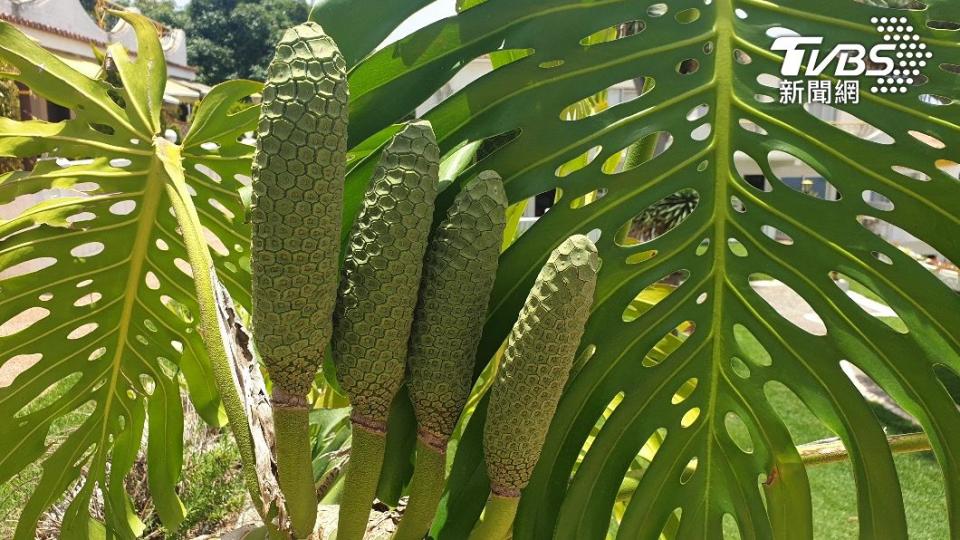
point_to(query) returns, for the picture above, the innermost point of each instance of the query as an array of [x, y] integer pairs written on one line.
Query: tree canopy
[[228, 39]]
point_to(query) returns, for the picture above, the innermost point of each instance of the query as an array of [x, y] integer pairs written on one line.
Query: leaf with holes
[[781, 199], [99, 309]]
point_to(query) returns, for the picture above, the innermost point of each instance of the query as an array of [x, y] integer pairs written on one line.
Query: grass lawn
[[834, 494], [832, 485]]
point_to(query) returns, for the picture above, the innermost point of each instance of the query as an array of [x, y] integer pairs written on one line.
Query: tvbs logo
[[848, 59], [894, 64]]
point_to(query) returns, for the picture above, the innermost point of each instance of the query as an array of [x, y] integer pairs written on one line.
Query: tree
[[227, 39], [9, 108], [164, 11]]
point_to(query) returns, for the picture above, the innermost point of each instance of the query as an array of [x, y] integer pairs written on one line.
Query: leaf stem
[[497, 519], [360, 484], [832, 451], [426, 488], [201, 265], [294, 465]]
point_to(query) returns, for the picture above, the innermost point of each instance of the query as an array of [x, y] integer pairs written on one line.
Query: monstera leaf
[[99, 310], [711, 100]]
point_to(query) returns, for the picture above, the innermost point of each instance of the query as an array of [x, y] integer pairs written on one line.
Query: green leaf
[[514, 214], [98, 302], [359, 26], [456, 162], [700, 53], [398, 463]]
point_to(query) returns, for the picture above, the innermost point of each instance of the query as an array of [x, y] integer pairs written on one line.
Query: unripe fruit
[[296, 210], [460, 268], [381, 274], [537, 361], [458, 274]]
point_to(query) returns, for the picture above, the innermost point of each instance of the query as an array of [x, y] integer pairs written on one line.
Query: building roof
[[65, 27]]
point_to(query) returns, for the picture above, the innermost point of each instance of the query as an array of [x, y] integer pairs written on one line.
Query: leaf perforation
[[848, 256]]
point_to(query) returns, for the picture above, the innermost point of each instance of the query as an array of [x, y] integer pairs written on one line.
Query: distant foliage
[[9, 108], [230, 40], [664, 215], [226, 39]]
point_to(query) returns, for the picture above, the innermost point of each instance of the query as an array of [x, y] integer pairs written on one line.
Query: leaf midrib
[[152, 193], [723, 76]]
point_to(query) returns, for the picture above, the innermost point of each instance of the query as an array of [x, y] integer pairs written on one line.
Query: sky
[[432, 13]]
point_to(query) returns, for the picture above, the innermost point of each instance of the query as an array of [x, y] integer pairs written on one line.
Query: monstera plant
[[106, 290], [126, 281]]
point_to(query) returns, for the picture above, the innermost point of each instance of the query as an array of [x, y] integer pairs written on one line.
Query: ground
[[832, 486]]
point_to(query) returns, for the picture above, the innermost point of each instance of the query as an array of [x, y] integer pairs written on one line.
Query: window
[[757, 180], [57, 113], [544, 202]]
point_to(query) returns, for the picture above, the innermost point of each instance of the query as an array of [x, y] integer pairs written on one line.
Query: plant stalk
[[294, 465], [497, 521], [426, 489], [360, 484], [201, 264], [821, 453]]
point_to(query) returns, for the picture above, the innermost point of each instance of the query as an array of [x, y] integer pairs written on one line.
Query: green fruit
[[381, 274], [458, 274], [296, 212], [540, 352], [297, 203]]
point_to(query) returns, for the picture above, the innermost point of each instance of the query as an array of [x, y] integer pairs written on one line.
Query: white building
[[64, 28]]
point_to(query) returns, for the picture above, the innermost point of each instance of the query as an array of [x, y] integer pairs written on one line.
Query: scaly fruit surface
[[458, 274], [381, 274], [537, 361], [296, 209]]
